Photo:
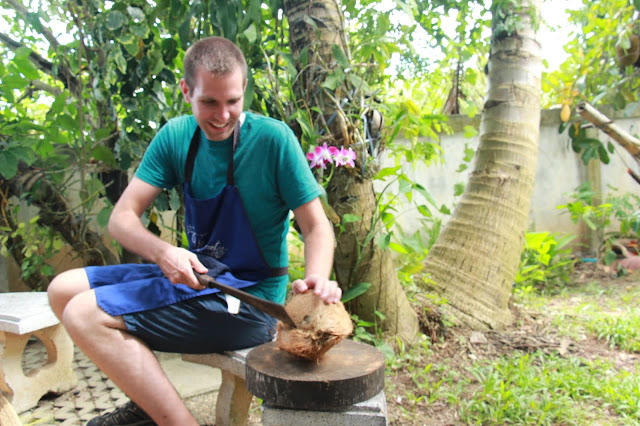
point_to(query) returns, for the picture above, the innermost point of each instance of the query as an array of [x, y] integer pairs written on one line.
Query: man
[[241, 175]]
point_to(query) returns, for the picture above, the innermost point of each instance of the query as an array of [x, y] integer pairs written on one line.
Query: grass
[[548, 389], [452, 382]]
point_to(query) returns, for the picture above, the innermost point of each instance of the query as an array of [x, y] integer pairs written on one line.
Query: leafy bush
[[545, 262], [618, 210]]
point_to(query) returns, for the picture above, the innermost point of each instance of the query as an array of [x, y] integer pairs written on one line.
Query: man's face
[[216, 102]]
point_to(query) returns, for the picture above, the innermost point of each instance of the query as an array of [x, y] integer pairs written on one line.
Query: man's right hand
[[178, 265]]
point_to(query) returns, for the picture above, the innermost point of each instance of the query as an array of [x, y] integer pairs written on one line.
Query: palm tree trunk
[[475, 259]]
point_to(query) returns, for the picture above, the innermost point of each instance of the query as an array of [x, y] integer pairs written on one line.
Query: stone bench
[[232, 405], [23, 315], [234, 399]]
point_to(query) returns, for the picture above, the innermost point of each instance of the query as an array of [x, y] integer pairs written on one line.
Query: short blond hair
[[216, 55]]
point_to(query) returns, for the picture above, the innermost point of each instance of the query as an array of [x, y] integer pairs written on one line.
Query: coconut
[[320, 326]]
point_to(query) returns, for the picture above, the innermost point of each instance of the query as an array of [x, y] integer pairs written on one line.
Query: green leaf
[[355, 291], [424, 210], [150, 111], [609, 257], [309, 20], [251, 33], [387, 171], [22, 53], [303, 57], [67, 122], [140, 30], [602, 153], [115, 20], [156, 62], [636, 4], [174, 199], [421, 189], [404, 186], [397, 247], [26, 68], [333, 80], [469, 153], [103, 217], [125, 161], [339, 56], [162, 201], [469, 131], [130, 43], [359, 82], [118, 58], [350, 218], [384, 240], [136, 13], [444, 209], [104, 154], [59, 103], [8, 164], [11, 82]]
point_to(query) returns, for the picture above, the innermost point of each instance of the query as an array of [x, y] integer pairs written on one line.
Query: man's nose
[[223, 113]]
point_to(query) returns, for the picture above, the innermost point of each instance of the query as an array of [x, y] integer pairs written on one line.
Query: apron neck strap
[[193, 150], [236, 141]]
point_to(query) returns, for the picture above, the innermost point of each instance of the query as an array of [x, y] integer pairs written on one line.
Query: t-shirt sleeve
[[157, 167], [296, 182]]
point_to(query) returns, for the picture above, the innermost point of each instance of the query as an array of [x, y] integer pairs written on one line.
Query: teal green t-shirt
[[271, 173]]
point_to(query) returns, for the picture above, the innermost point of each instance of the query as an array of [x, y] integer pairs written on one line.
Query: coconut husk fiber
[[320, 326]]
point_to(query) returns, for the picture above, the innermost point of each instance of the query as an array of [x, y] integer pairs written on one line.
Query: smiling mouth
[[219, 126]]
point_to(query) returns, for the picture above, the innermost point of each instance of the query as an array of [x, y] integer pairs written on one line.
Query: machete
[[274, 309]]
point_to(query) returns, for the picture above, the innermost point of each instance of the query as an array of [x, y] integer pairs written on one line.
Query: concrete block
[[372, 412]]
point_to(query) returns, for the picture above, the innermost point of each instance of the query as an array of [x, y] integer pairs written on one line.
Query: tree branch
[[64, 74], [24, 12], [602, 122]]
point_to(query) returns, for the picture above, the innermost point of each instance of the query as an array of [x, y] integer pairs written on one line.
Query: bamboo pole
[[602, 122]]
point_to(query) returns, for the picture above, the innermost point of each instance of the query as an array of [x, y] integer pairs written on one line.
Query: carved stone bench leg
[[57, 376], [232, 407]]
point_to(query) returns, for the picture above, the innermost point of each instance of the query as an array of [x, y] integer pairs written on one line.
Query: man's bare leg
[[125, 359]]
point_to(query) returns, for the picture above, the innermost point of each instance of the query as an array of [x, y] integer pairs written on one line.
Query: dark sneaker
[[128, 414]]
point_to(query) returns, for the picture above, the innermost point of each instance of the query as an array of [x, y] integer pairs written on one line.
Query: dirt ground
[[532, 331]]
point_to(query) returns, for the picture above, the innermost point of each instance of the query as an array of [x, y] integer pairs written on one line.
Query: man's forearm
[[319, 247]]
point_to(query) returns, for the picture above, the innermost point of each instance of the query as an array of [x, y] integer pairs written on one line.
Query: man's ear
[[184, 88]]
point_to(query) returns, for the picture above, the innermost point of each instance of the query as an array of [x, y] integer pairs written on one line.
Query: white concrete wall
[[559, 172]]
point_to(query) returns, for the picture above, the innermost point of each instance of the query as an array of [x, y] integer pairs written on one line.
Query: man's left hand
[[324, 288]]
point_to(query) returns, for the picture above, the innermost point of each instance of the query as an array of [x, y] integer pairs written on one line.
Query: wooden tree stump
[[349, 373]]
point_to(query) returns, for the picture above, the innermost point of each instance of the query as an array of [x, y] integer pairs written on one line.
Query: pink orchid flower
[[322, 155], [346, 157]]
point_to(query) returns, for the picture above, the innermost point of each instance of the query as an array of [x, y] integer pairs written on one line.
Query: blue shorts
[[175, 318], [201, 325]]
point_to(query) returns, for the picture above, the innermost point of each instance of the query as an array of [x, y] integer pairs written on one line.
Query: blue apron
[[218, 231]]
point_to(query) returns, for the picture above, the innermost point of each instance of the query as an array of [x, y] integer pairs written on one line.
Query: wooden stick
[[634, 175], [627, 141]]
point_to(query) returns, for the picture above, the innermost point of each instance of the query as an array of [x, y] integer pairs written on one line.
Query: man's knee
[[65, 287], [82, 316]]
